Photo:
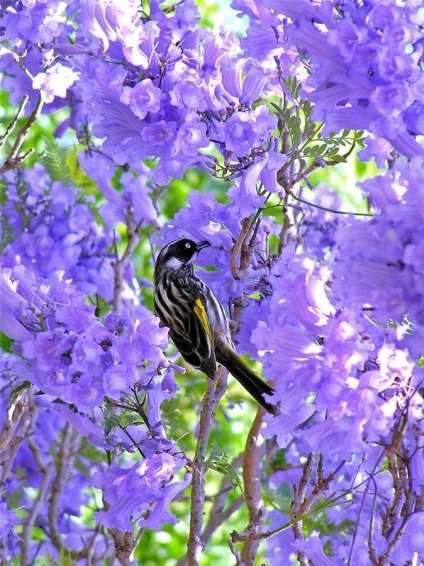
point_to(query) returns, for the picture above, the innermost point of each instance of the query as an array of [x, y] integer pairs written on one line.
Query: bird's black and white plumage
[[197, 322]]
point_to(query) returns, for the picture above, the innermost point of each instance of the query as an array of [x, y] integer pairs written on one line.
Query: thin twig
[[322, 485], [402, 501], [241, 253], [123, 542], [133, 235], [25, 429], [13, 158], [217, 513], [235, 552], [362, 507], [12, 125], [332, 210], [253, 456], [299, 495], [65, 458], [124, 545], [285, 235], [214, 392], [14, 414], [301, 505], [47, 471]]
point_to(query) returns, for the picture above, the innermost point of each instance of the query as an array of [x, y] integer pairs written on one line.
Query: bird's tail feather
[[250, 380]]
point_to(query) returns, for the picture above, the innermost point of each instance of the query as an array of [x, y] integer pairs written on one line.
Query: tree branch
[[124, 545], [241, 252], [13, 158], [252, 487], [215, 390], [64, 462], [218, 514], [14, 413], [301, 505], [47, 471], [119, 265], [12, 125]]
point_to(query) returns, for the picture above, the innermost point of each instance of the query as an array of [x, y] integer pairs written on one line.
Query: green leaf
[[64, 559], [121, 420], [278, 109], [53, 158], [24, 385], [218, 461], [338, 159]]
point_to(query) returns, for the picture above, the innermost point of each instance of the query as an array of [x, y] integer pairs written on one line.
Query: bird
[[197, 322]]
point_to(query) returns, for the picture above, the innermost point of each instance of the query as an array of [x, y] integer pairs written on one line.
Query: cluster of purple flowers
[[337, 323], [75, 360], [364, 61], [338, 332], [50, 226]]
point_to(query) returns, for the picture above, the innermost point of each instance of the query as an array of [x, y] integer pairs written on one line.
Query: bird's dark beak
[[201, 245]]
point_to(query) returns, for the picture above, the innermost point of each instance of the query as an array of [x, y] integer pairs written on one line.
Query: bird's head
[[180, 253]]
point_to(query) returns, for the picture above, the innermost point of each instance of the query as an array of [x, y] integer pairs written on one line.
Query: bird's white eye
[[188, 245]]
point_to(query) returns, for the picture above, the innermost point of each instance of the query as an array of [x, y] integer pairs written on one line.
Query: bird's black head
[[180, 253]]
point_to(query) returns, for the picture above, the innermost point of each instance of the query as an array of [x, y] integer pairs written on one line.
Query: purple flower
[[231, 75], [136, 194], [313, 547], [11, 304], [269, 174], [159, 136], [160, 514], [191, 137], [73, 241], [188, 94], [143, 98], [115, 26], [294, 411], [136, 358], [244, 193], [281, 545], [280, 350], [139, 489], [361, 61], [336, 318], [7, 519], [393, 99], [55, 82], [253, 85], [39, 26], [412, 544], [244, 131], [85, 427]]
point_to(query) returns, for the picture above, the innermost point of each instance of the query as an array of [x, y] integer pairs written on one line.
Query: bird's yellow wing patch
[[202, 316]]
